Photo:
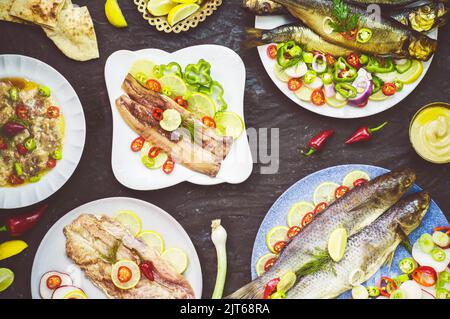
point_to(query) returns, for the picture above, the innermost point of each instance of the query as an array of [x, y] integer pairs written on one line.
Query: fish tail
[[252, 290], [253, 38]]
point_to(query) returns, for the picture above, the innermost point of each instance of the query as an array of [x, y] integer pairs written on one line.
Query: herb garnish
[[345, 22]]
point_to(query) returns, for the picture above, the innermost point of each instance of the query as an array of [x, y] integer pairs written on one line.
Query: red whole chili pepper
[[271, 287], [20, 224], [146, 268], [316, 143], [364, 134], [157, 114]]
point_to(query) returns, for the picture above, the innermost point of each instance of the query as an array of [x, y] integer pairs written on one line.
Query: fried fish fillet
[[94, 243]]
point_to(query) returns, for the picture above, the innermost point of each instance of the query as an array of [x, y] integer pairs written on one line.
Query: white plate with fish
[[52, 255], [226, 68], [340, 109], [45, 128]]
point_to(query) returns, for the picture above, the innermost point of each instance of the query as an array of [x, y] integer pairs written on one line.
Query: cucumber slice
[[426, 243], [402, 68], [280, 73], [229, 124], [304, 93]]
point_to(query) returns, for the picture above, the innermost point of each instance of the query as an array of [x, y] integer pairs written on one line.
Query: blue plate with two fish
[[303, 191]]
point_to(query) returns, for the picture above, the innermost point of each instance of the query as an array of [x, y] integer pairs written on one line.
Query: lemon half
[[114, 14], [181, 12]]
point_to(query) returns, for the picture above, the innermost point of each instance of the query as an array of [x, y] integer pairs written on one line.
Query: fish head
[[397, 182], [410, 217]]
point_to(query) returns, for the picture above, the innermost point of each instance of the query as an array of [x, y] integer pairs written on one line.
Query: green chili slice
[[346, 90], [364, 35], [407, 265]]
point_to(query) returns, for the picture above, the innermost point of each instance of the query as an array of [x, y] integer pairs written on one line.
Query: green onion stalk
[[219, 238]]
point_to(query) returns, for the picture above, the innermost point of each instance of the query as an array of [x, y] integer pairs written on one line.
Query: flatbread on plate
[[74, 34], [42, 12], [5, 8]]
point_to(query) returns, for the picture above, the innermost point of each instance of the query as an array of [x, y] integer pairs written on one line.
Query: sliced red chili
[[330, 59], [15, 180], [137, 144], [168, 166], [363, 103], [320, 207], [153, 152], [317, 97], [353, 60], [386, 286], [279, 246], [350, 35], [21, 149], [389, 89], [146, 268], [3, 144], [293, 231], [307, 219], [269, 263], [153, 85], [157, 114], [124, 274], [51, 162], [209, 121], [341, 191], [180, 101], [272, 51], [53, 112], [446, 229], [359, 182], [53, 282], [271, 287], [22, 111], [294, 84], [425, 276]]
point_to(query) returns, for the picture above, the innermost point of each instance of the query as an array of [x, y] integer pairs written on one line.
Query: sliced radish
[[298, 70], [69, 292], [52, 280], [316, 84], [425, 259], [412, 289]]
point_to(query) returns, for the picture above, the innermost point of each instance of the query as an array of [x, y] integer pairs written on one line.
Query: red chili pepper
[[364, 134], [20, 224], [157, 114], [22, 111], [359, 182], [21, 149], [168, 166], [153, 85], [341, 191], [279, 246], [146, 268], [307, 219], [15, 180], [350, 35], [3, 144], [316, 143], [53, 112], [293, 231], [271, 287], [353, 60], [137, 144], [272, 51], [180, 101], [153, 152], [51, 163], [269, 264], [320, 207], [330, 59], [386, 286], [425, 276]]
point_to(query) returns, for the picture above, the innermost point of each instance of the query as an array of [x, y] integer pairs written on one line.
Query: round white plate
[[227, 68], [74, 135], [346, 112], [51, 254]]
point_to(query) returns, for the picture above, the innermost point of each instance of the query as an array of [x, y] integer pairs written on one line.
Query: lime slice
[[280, 73], [171, 120], [152, 239], [181, 12], [142, 70], [174, 83], [412, 74], [379, 96], [114, 14], [337, 243], [262, 262], [304, 93], [160, 7], [129, 220], [297, 212], [229, 124], [276, 234], [325, 193], [6, 278], [201, 105], [156, 162], [177, 258], [334, 102], [353, 176], [287, 281]]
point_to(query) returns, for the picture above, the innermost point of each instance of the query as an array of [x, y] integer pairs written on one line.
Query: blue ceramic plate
[[303, 191]]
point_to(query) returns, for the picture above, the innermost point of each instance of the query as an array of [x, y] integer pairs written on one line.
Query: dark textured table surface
[[241, 207]]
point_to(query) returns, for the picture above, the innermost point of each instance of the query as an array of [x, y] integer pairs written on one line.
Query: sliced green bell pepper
[[164, 69], [343, 72], [380, 65], [198, 74]]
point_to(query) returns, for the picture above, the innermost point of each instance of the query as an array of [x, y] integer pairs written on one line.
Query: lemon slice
[[171, 120], [229, 124], [181, 12], [287, 281], [156, 162], [379, 96], [129, 220], [177, 258], [280, 73], [114, 14], [276, 234], [353, 176], [297, 212], [160, 8], [325, 193], [334, 102], [412, 74], [201, 105], [337, 243], [174, 83], [6, 278], [184, 1], [152, 239], [262, 262], [142, 68]]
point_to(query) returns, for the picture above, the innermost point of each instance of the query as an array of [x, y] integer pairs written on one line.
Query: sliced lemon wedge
[[114, 14], [337, 243], [181, 12], [160, 8]]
